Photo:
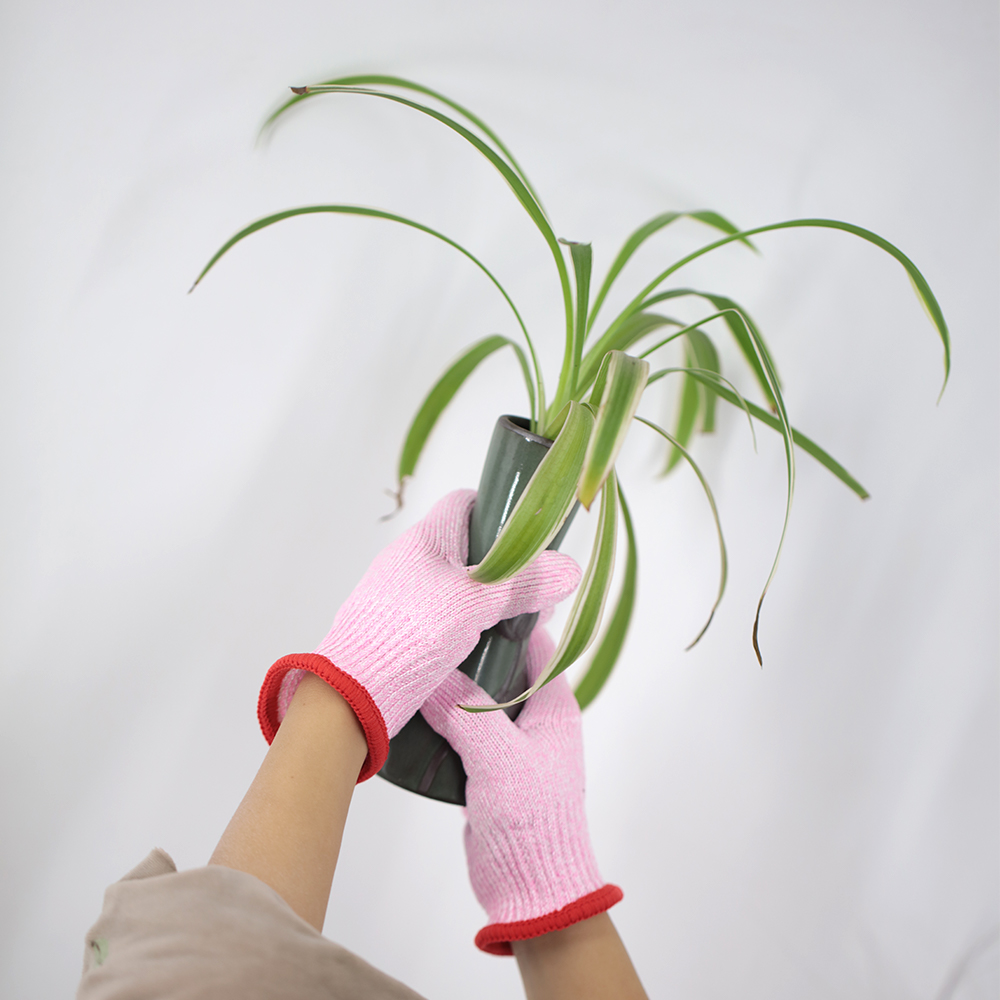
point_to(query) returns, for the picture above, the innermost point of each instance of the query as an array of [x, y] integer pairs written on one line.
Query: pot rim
[[515, 424]]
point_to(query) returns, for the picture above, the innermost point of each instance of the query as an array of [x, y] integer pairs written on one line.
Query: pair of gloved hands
[[393, 650]]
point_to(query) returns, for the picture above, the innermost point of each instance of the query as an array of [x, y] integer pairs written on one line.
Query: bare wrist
[[585, 961]]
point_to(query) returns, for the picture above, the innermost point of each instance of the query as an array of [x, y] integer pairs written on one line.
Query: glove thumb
[[545, 582]]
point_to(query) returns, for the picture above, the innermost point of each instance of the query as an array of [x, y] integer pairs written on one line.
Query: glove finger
[[554, 701], [446, 526], [547, 581], [469, 733]]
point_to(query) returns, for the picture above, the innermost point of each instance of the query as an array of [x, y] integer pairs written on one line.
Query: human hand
[[413, 618], [526, 840]]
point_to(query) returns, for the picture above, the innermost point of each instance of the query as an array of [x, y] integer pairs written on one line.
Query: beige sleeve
[[215, 933]]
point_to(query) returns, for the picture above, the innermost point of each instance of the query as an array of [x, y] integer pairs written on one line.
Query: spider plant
[[605, 371]]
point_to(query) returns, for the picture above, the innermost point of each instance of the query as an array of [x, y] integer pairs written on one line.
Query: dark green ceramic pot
[[419, 759]]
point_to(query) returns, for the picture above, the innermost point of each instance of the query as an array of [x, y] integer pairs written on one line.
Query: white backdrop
[[192, 484]]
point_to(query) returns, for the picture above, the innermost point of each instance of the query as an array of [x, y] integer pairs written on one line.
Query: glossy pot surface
[[419, 759]]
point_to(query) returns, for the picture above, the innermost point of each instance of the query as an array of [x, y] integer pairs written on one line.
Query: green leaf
[[740, 325], [545, 503], [628, 248], [585, 615], [716, 384], [443, 391], [707, 358], [376, 213], [381, 80], [687, 415], [567, 388], [919, 282], [723, 557], [615, 398], [774, 390], [610, 646], [514, 182], [582, 261], [712, 379], [806, 444], [627, 333], [643, 233], [701, 353], [722, 224], [786, 434]]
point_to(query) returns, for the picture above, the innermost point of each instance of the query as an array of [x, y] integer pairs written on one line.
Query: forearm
[[586, 961], [288, 828]]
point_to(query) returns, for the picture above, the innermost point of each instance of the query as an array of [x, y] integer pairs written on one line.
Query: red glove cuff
[[495, 939], [355, 694]]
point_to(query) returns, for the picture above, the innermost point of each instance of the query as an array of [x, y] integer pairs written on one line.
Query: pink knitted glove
[[526, 840], [412, 619]]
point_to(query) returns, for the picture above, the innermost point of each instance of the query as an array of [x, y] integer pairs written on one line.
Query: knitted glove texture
[[413, 618], [526, 840]]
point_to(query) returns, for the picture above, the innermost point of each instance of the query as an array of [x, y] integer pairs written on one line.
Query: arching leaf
[[687, 415], [805, 443], [642, 234], [917, 280], [707, 358], [610, 646], [723, 557], [627, 333], [567, 388], [740, 325], [709, 378], [382, 80], [375, 213], [514, 181], [443, 392]]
